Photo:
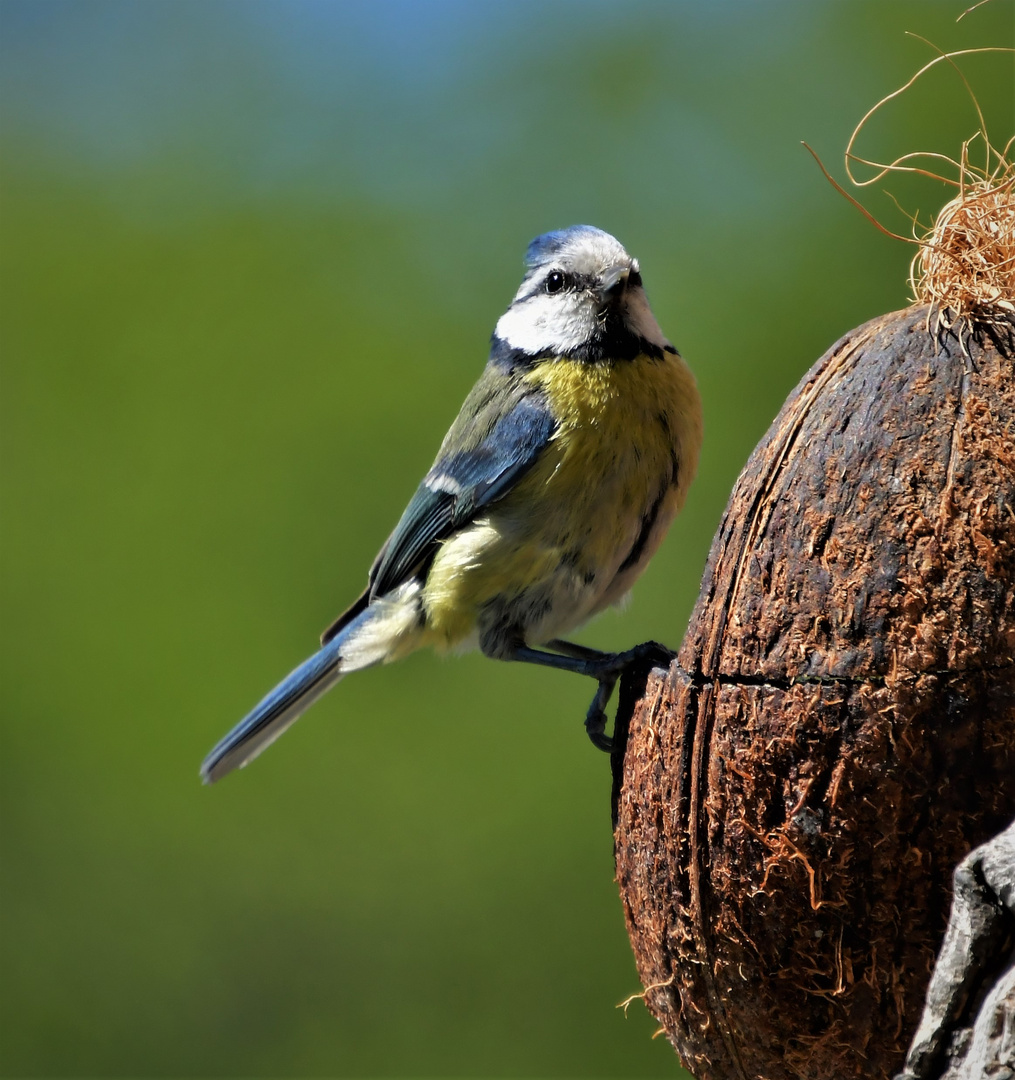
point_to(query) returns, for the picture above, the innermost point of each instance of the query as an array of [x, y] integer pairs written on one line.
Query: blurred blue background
[[252, 253]]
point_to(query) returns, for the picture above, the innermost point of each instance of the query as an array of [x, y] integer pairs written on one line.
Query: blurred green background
[[252, 253]]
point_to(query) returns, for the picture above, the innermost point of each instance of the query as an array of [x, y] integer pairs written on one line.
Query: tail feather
[[371, 636], [274, 714]]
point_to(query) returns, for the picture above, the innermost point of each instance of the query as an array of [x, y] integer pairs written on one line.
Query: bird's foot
[[608, 670], [595, 718]]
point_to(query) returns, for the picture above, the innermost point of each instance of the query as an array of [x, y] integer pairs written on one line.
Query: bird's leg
[[580, 652], [605, 668]]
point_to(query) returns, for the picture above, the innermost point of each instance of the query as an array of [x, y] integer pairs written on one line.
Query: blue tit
[[552, 490]]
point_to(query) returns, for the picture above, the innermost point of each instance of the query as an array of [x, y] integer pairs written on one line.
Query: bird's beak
[[615, 282]]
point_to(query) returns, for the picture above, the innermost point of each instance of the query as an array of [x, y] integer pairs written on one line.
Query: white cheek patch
[[544, 322]]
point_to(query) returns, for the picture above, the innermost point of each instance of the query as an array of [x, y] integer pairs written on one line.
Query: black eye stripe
[[560, 281], [564, 281]]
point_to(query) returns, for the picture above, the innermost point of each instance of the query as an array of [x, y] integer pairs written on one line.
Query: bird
[[551, 491]]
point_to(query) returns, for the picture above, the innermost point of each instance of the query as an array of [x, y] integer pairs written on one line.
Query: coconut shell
[[838, 730]]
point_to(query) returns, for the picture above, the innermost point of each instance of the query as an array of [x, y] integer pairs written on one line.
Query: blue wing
[[469, 474]]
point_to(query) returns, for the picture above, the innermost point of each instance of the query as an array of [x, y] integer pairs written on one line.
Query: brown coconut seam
[[883, 658], [702, 675], [761, 508]]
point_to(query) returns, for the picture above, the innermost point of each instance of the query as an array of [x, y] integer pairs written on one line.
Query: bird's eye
[[554, 281]]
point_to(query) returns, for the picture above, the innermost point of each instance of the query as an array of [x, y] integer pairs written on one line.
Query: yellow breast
[[615, 473], [628, 433]]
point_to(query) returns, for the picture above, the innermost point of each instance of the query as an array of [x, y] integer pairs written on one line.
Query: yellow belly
[[574, 534]]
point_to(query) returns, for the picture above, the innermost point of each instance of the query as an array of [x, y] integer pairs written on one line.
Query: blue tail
[[281, 708], [366, 639]]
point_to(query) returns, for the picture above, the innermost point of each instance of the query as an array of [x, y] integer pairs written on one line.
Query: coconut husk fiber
[[838, 729]]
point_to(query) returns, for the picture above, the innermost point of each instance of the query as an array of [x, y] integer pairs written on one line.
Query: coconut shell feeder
[[837, 731]]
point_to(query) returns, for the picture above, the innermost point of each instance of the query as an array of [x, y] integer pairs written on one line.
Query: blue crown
[[548, 246]]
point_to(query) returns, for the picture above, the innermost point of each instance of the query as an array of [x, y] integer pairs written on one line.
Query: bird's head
[[582, 296]]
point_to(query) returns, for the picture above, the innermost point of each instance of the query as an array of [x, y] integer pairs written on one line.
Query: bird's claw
[[608, 672], [595, 719]]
